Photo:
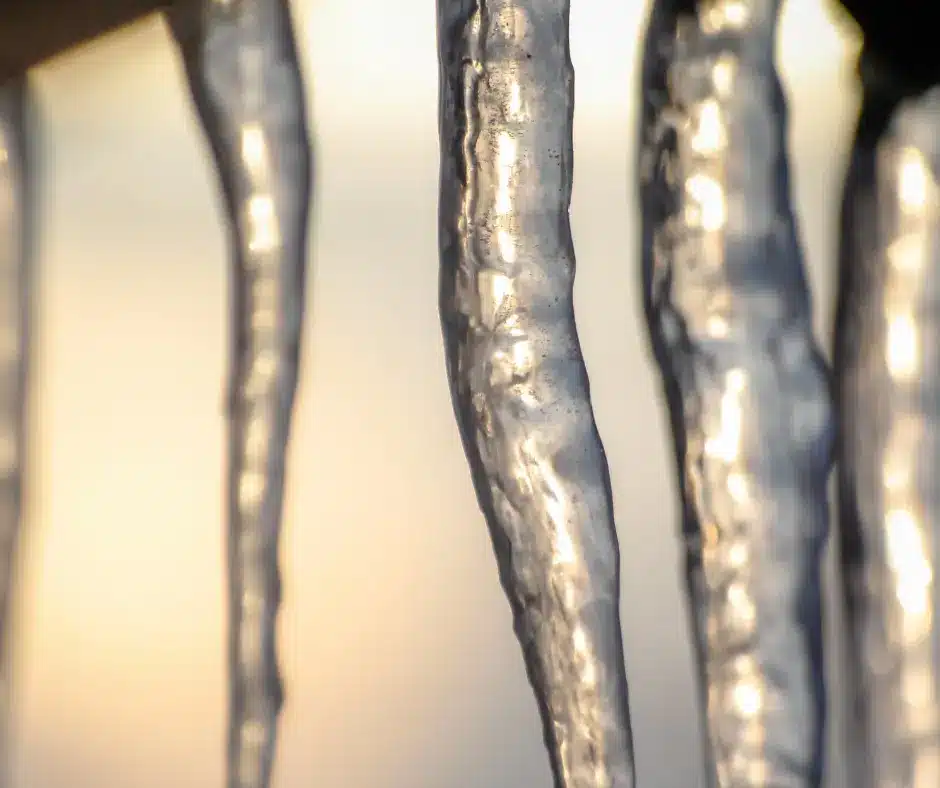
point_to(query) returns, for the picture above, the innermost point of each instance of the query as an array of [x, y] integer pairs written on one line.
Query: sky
[[402, 670]]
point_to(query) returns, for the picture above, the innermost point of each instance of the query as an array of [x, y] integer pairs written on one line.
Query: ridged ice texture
[[242, 65], [14, 348], [888, 364], [748, 394], [517, 377]]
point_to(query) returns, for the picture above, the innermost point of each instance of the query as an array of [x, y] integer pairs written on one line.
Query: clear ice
[[888, 370], [518, 381], [241, 61], [749, 397]]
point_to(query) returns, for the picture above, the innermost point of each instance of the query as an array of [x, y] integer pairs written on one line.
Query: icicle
[[888, 367], [244, 75], [14, 350], [729, 313], [518, 380]]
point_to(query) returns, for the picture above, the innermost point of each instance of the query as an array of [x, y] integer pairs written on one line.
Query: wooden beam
[[32, 31]]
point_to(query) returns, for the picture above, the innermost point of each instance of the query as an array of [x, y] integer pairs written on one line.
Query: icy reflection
[[890, 400], [730, 318], [518, 381], [243, 71]]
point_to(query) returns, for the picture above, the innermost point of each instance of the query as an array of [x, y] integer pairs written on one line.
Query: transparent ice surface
[[245, 79], [517, 377], [749, 398], [888, 367]]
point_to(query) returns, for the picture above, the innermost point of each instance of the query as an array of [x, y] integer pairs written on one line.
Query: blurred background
[[402, 670]]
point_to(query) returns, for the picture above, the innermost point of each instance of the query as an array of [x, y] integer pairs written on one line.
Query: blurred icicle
[[15, 280], [888, 366], [730, 317], [241, 61]]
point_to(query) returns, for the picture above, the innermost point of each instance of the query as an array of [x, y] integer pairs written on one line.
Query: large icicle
[[729, 313], [518, 380]]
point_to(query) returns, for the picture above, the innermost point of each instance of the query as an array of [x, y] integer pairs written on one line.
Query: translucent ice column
[[14, 348], [729, 314], [243, 71], [518, 381], [888, 365]]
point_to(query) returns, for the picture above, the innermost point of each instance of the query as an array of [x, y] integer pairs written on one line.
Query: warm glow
[[401, 667], [902, 347], [707, 202]]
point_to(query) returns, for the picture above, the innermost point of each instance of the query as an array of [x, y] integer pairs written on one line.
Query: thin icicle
[[730, 317], [243, 71], [14, 351], [517, 377], [888, 366]]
